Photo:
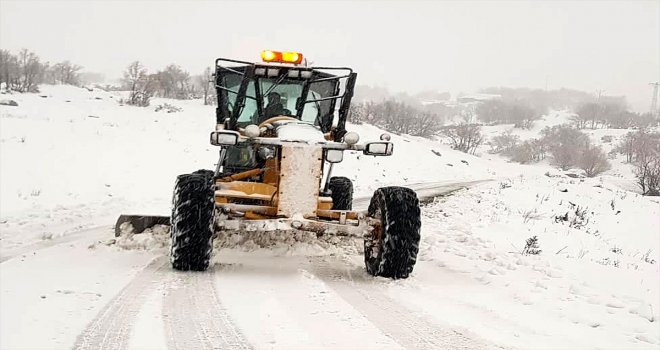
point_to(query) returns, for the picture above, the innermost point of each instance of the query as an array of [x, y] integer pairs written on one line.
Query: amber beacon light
[[282, 57]]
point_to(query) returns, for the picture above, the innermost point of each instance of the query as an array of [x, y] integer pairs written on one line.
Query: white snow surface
[[298, 131], [71, 160]]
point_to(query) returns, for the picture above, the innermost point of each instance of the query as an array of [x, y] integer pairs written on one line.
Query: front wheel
[[192, 221], [391, 248]]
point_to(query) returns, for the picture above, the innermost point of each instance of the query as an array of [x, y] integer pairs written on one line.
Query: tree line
[[610, 115], [25, 71], [558, 99], [569, 147], [171, 82], [566, 146], [398, 117], [521, 113]]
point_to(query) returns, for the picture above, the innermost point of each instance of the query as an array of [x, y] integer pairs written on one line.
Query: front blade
[[140, 222]]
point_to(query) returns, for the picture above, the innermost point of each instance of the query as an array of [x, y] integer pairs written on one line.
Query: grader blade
[[140, 222]]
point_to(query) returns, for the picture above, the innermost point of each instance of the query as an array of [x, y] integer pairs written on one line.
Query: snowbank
[[593, 285]]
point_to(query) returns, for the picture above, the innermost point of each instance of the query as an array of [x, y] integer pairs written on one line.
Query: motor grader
[[280, 129]]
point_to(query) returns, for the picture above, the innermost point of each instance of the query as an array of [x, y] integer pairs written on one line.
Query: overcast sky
[[402, 45]]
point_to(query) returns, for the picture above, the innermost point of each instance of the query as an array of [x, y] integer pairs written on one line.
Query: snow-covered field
[[71, 160], [621, 173]]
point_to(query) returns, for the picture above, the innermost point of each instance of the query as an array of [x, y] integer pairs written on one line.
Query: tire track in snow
[[396, 321], [195, 318], [281, 305], [93, 233], [111, 328]]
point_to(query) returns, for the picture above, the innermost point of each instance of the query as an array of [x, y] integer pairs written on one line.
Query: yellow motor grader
[[280, 128]]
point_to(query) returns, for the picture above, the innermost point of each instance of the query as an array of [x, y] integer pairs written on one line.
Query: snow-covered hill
[[73, 159], [620, 174]]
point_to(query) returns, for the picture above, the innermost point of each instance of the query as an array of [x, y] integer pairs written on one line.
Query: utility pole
[[598, 110], [654, 99]]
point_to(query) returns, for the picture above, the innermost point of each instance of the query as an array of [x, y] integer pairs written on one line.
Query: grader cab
[[280, 128]]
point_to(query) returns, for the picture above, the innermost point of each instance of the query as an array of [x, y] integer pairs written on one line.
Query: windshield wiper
[[278, 82]]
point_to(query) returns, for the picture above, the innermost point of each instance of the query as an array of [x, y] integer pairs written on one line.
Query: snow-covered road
[[80, 293]]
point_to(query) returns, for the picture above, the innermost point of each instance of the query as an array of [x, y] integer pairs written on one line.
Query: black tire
[[208, 174], [192, 222], [392, 249], [341, 192]]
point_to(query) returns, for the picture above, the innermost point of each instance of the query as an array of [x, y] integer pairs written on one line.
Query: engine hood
[[299, 132]]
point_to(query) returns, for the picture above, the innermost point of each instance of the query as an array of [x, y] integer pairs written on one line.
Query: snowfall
[[72, 160]]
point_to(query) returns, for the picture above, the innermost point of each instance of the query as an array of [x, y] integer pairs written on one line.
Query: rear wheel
[[192, 221], [341, 192], [391, 249]]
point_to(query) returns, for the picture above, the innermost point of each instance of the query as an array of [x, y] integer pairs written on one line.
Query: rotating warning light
[[282, 57], [268, 55]]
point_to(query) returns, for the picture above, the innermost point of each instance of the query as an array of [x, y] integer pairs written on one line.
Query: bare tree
[[647, 172], [504, 142], [427, 124], [627, 146], [523, 153], [565, 144], [397, 117], [173, 82], [357, 113], [620, 120], [141, 86], [586, 112], [639, 145], [646, 161], [31, 71], [523, 116], [528, 151], [464, 137], [24, 71], [206, 82], [593, 161], [599, 113], [9, 71], [67, 73], [493, 112]]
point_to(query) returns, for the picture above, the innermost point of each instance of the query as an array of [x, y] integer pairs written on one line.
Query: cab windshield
[[278, 96]]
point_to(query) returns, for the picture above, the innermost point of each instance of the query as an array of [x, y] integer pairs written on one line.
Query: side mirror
[[378, 149], [224, 138], [334, 155]]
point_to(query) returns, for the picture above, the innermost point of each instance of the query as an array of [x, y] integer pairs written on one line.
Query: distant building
[[472, 98]]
